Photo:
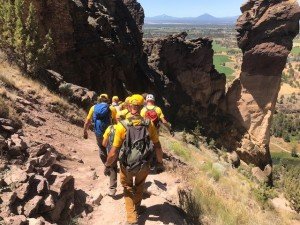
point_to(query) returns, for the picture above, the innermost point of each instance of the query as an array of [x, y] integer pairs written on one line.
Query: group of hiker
[[128, 132]]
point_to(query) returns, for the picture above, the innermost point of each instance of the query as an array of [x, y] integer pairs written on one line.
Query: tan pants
[[133, 191]]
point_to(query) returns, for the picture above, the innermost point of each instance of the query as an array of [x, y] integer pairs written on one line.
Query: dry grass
[[12, 77], [221, 198]]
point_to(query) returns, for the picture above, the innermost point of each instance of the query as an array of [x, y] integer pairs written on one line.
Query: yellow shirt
[[107, 132], [121, 133], [123, 114], [150, 107], [112, 109]]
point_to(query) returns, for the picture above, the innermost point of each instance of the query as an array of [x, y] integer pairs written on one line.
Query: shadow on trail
[[164, 213]]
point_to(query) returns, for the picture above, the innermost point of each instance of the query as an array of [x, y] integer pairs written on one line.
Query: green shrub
[[181, 151], [263, 193], [292, 186]]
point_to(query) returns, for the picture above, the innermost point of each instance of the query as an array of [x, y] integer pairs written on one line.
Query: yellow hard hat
[[127, 100], [137, 100], [105, 96], [115, 99]]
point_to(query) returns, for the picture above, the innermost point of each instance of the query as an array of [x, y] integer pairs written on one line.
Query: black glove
[[160, 168], [107, 171]]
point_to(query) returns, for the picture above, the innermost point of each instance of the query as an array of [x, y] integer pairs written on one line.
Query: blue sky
[[191, 8]]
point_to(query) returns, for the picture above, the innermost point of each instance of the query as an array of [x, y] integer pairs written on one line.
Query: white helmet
[[150, 98]]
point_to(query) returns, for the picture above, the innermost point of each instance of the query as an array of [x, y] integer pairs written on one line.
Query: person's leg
[[113, 180], [102, 150], [139, 184], [126, 180]]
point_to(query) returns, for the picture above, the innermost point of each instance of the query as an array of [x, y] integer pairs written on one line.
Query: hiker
[[124, 113], [154, 113], [135, 155], [102, 115], [115, 103], [108, 139]]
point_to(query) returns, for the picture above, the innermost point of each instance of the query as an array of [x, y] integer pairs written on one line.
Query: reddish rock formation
[[265, 34], [98, 42], [188, 81]]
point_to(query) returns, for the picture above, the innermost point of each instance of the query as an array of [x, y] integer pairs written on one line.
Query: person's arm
[[87, 125], [112, 156], [88, 122]]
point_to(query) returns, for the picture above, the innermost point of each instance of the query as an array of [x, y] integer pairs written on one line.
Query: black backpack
[[137, 150]]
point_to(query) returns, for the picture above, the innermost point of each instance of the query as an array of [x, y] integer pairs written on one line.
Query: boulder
[[31, 207], [35, 221], [47, 205], [16, 145], [262, 176], [39, 150], [23, 191], [8, 198], [77, 94], [48, 159], [15, 175], [234, 159], [16, 220], [61, 182]]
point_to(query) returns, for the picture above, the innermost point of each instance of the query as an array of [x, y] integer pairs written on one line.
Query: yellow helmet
[[127, 100], [115, 98], [137, 100], [103, 96]]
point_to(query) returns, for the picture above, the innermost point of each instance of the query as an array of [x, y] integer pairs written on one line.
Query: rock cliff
[[98, 43], [190, 82], [265, 34]]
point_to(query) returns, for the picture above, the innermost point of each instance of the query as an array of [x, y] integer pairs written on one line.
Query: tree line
[[20, 38]]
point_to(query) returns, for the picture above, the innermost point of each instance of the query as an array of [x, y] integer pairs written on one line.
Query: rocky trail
[[49, 146]]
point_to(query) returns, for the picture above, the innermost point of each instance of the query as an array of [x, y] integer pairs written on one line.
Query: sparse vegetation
[[263, 194], [291, 182], [7, 81], [181, 151], [286, 126]]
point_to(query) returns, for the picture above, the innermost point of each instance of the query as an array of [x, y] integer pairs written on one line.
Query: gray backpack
[[137, 150]]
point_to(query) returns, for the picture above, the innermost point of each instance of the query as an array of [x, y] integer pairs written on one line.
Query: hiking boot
[[112, 192], [159, 168], [141, 209]]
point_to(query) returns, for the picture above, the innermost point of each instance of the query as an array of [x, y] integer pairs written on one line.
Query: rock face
[[265, 34], [186, 76], [98, 43]]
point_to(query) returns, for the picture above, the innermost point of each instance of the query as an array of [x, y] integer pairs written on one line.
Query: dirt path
[[83, 163], [280, 147]]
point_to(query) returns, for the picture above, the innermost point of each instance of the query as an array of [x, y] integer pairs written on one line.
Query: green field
[[219, 48], [219, 61], [284, 157], [296, 51]]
